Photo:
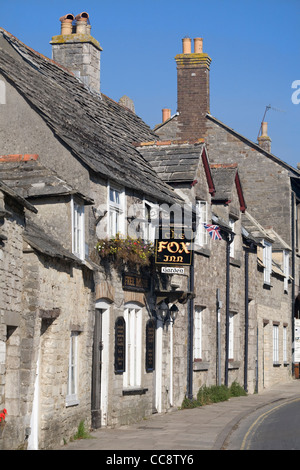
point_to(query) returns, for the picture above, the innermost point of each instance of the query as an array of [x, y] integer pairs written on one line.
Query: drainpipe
[[219, 306], [190, 334], [246, 318], [293, 279]]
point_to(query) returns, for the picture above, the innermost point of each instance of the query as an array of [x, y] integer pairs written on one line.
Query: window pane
[[198, 334], [201, 235]]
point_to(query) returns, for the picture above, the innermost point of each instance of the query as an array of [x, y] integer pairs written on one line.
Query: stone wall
[[11, 284], [57, 301]]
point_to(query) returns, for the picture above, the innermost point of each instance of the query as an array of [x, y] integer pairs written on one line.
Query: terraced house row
[[136, 264]]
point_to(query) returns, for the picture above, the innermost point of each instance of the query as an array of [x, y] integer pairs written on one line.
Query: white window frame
[[132, 377], [150, 224], [116, 211], [231, 336], [2, 92], [78, 229], [72, 393], [275, 343], [286, 269], [197, 343], [232, 244], [267, 261], [202, 218], [284, 344]]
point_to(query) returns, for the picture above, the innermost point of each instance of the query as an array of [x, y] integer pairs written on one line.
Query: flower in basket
[[2, 417], [132, 251]]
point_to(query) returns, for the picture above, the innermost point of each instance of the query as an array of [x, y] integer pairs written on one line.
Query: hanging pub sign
[[135, 282], [173, 247], [150, 345], [120, 345]]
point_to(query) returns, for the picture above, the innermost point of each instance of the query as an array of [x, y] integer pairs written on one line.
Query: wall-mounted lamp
[[165, 313]]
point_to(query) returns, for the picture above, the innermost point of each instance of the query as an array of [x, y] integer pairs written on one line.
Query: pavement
[[205, 428]]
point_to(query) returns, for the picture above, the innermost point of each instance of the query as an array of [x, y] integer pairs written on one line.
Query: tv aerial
[[268, 107]]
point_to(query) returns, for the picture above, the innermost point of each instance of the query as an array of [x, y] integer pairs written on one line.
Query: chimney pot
[[84, 16], [198, 45], [166, 114], [66, 23], [264, 129], [81, 27], [264, 140], [186, 46]]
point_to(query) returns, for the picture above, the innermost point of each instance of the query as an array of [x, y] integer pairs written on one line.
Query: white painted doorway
[[158, 365], [33, 439], [102, 323]]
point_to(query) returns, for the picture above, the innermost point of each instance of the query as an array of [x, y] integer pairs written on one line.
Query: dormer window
[[150, 216], [78, 243], [116, 211], [286, 269], [267, 260], [232, 245], [202, 218]]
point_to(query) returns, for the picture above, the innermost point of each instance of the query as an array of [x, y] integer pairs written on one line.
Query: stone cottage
[[98, 344], [270, 187]]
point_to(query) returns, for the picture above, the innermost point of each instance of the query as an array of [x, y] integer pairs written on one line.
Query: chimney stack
[[264, 140], [192, 90], [77, 50]]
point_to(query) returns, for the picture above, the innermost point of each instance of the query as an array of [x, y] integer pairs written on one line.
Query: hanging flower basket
[[2, 421], [121, 252]]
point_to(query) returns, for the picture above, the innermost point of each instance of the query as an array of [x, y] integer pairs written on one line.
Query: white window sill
[[72, 400]]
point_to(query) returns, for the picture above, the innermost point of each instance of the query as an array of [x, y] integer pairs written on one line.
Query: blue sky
[[254, 46]]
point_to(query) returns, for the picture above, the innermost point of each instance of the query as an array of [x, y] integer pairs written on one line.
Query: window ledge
[[235, 262], [267, 285], [200, 365], [200, 250], [232, 364], [134, 391], [276, 364], [72, 401]]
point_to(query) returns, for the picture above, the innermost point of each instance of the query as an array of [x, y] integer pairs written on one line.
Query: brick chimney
[[77, 50], [264, 140], [192, 89]]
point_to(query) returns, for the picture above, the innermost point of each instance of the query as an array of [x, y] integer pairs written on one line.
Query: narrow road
[[274, 427]]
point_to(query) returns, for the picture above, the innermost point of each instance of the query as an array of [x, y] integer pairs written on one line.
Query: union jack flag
[[214, 231]]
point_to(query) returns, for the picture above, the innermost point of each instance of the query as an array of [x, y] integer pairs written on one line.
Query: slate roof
[[32, 179], [224, 180], [13, 194], [98, 130], [173, 162], [35, 236], [254, 228], [294, 172]]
